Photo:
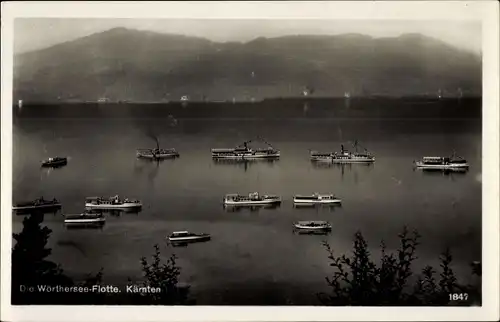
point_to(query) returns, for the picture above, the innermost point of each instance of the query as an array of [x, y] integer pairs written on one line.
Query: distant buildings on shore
[[306, 94]]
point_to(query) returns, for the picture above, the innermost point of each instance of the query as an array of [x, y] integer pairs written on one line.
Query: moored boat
[[156, 154], [55, 162], [251, 199], [187, 237], [85, 218], [111, 203], [313, 225], [344, 156], [316, 198], [245, 152], [442, 163], [39, 204]]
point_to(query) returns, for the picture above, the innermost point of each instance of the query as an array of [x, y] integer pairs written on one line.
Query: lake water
[[253, 257]]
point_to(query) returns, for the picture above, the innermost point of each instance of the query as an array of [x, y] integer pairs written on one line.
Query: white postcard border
[[485, 11]]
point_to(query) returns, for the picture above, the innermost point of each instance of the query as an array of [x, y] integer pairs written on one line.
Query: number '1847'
[[458, 296]]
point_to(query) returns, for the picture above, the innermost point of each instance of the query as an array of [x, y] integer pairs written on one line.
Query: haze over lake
[[253, 257]]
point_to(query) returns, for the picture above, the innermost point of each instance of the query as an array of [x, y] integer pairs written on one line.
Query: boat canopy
[[180, 233]]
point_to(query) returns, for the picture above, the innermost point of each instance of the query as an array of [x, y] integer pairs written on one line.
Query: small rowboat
[[85, 219], [187, 237], [442, 163], [313, 225], [54, 162]]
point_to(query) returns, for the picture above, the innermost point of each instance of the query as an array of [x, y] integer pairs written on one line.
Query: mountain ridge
[[136, 65]]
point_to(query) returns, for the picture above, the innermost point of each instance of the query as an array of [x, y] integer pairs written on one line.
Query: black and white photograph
[[262, 159]]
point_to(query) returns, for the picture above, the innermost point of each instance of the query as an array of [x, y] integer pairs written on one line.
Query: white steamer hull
[[188, 239], [84, 221], [421, 165], [310, 202], [109, 206], [251, 203], [246, 156]]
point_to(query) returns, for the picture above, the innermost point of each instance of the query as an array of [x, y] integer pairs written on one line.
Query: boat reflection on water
[[251, 208], [144, 161], [312, 232], [242, 163], [47, 171], [119, 212], [317, 207], [457, 171], [86, 226]]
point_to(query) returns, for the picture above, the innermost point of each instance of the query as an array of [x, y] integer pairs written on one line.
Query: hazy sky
[[36, 33]]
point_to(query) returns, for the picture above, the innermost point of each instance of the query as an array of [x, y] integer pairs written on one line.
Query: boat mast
[[266, 142], [355, 144]]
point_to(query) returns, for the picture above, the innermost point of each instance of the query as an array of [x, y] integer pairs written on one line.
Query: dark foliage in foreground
[[36, 280], [163, 277], [359, 281]]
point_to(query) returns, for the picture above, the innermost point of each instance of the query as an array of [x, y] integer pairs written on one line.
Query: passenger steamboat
[[111, 203], [316, 198], [39, 204], [344, 156], [252, 199], [157, 154], [55, 162], [443, 163], [245, 152]]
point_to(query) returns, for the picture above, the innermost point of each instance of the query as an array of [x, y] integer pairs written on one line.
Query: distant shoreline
[[415, 98], [272, 109]]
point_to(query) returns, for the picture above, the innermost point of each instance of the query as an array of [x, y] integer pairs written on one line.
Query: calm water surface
[[253, 257]]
